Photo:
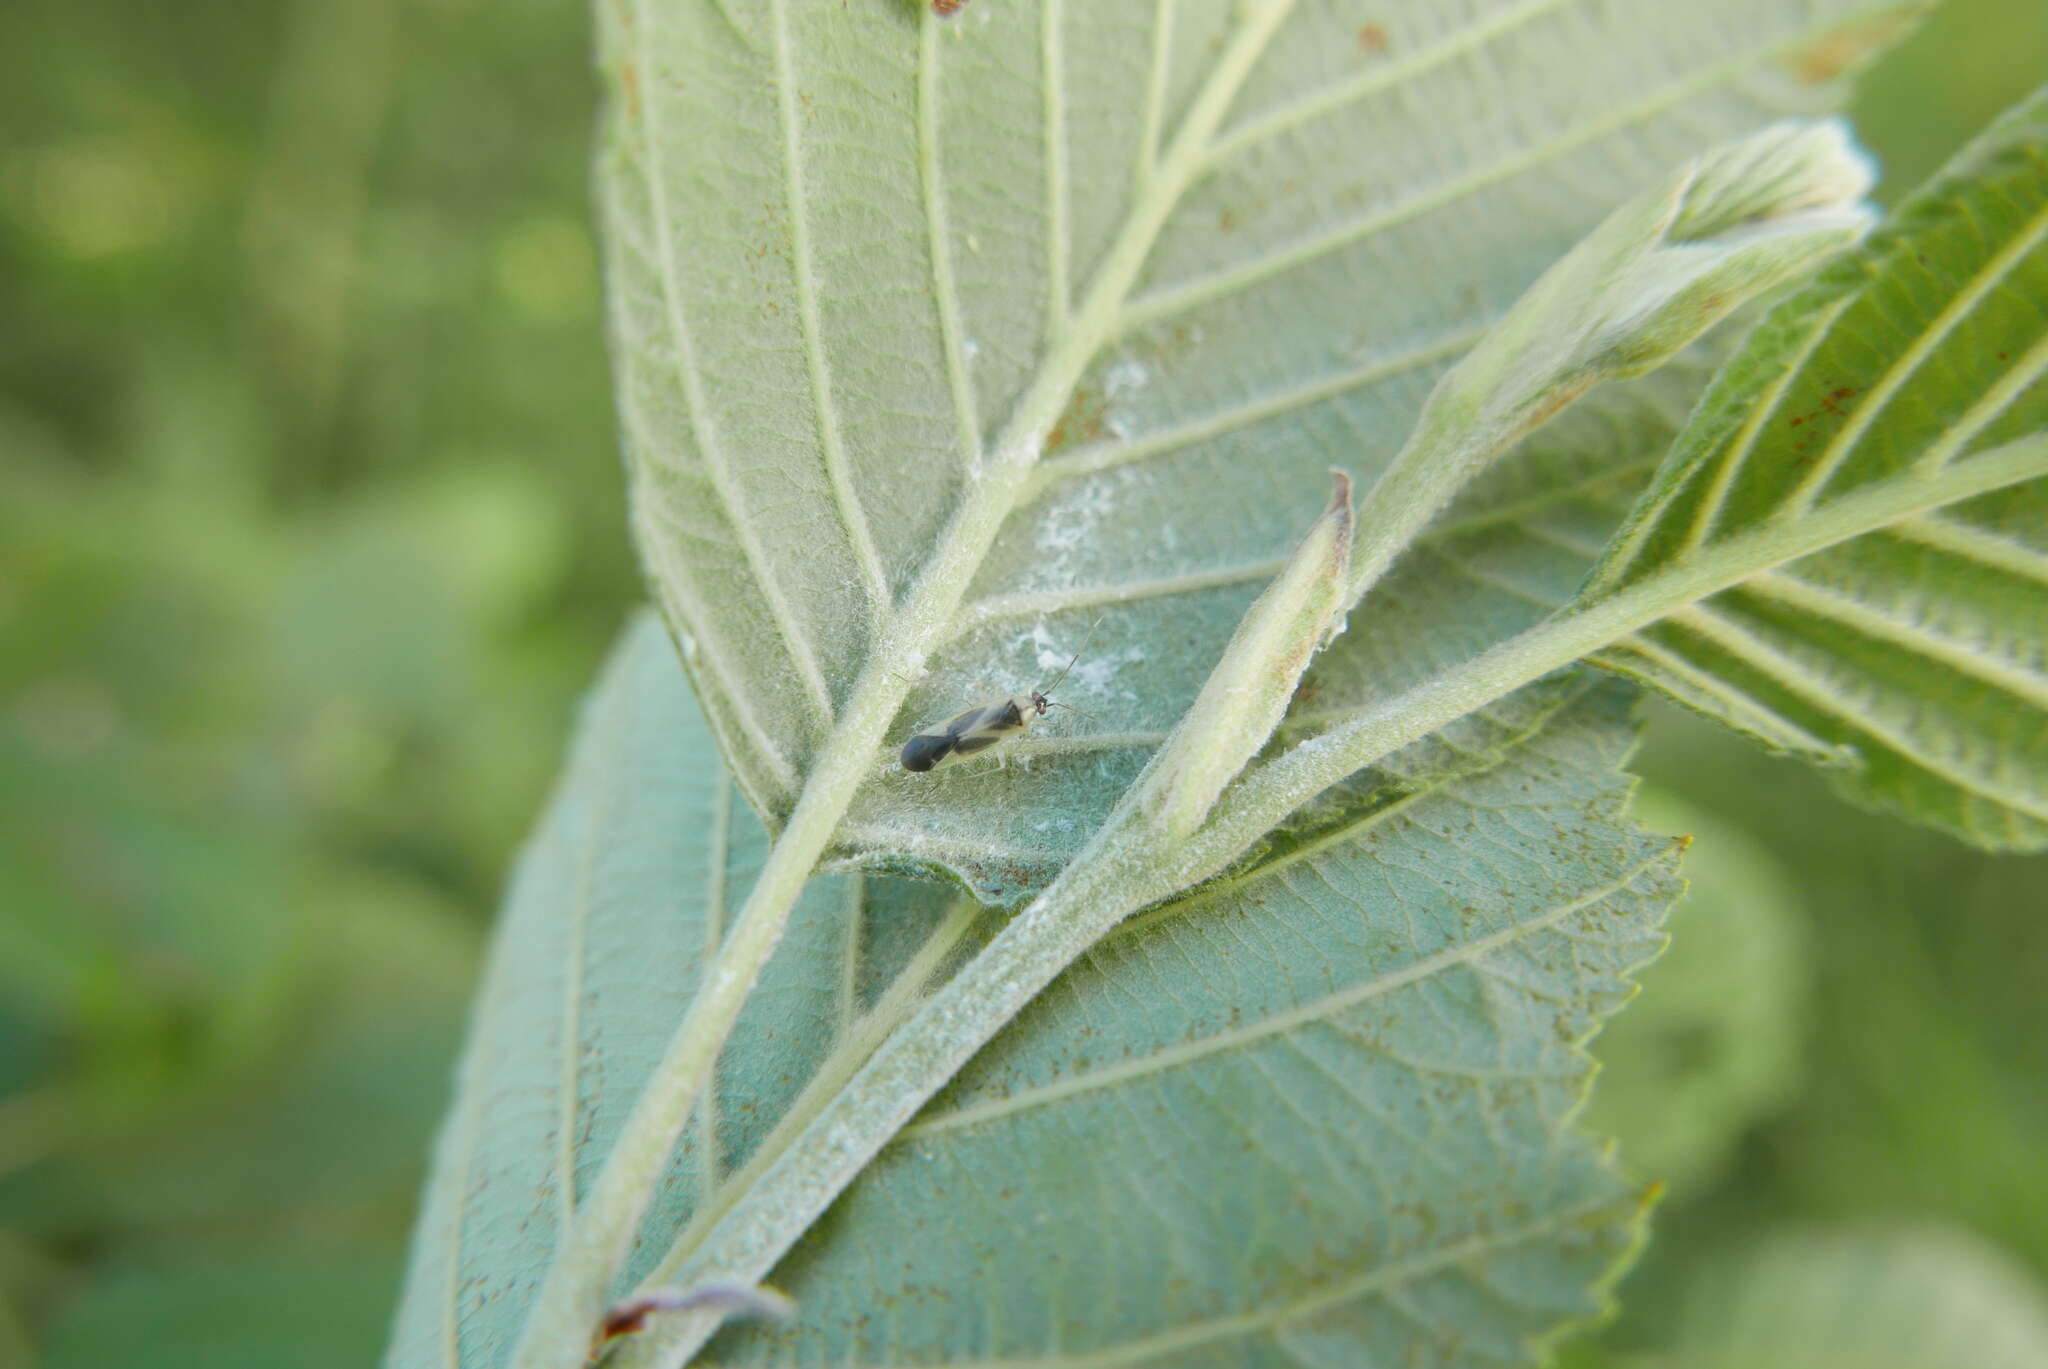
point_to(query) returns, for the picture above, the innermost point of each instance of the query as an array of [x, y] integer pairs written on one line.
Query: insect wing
[[963, 734]]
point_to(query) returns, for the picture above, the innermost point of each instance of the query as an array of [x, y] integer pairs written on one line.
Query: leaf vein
[[1172, 1057], [1097, 457], [945, 293], [803, 266], [1761, 412], [1763, 719], [1798, 679], [1971, 543], [697, 406], [1148, 310], [1381, 77], [717, 857], [1155, 91], [1057, 226], [1908, 363], [1871, 622]]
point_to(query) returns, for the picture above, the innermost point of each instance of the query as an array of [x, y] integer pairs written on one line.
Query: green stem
[[1268, 794], [1126, 868], [571, 1297]]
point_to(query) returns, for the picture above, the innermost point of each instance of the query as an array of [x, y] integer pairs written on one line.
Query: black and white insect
[[985, 724]]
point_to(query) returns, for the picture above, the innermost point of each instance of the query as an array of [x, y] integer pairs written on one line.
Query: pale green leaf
[[1916, 656], [1871, 1298], [936, 338], [617, 905], [836, 407], [1321, 1110], [1712, 1044]]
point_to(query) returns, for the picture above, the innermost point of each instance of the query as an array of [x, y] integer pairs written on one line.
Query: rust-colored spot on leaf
[[1831, 402], [1837, 51], [1372, 40], [1082, 422], [629, 82]]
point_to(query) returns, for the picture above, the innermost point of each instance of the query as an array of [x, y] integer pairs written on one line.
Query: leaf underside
[[1900, 363], [1318, 1111], [842, 247]]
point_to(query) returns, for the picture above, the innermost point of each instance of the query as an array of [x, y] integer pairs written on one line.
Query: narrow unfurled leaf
[[1667, 266], [1249, 690], [1659, 271]]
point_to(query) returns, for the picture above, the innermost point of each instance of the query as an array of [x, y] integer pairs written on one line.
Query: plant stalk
[[571, 1297], [1126, 868]]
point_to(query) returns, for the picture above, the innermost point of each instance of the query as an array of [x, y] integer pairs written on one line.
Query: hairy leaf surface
[[1916, 656], [612, 917], [857, 258], [1159, 263], [1318, 1111]]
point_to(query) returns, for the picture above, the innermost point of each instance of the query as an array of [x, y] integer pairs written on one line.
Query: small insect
[[985, 724], [946, 9]]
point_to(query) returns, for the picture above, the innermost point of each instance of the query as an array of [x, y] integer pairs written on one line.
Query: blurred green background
[[311, 533]]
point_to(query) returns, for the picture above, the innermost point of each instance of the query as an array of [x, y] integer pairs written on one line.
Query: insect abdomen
[[964, 734], [926, 750]]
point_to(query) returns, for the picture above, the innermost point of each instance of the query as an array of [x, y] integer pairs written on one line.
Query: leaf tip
[[1250, 687], [727, 1298]]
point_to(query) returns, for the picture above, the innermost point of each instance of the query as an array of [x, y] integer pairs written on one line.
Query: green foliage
[[1903, 365], [1411, 1016], [1713, 1045], [1662, 271], [275, 1309], [1118, 264], [1917, 1099], [301, 562], [1861, 1298], [308, 533]]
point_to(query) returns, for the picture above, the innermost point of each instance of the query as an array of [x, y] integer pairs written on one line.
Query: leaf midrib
[[573, 1291], [919, 624]]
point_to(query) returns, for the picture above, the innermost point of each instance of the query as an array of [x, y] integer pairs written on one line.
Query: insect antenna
[[1061, 678], [1071, 709]]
